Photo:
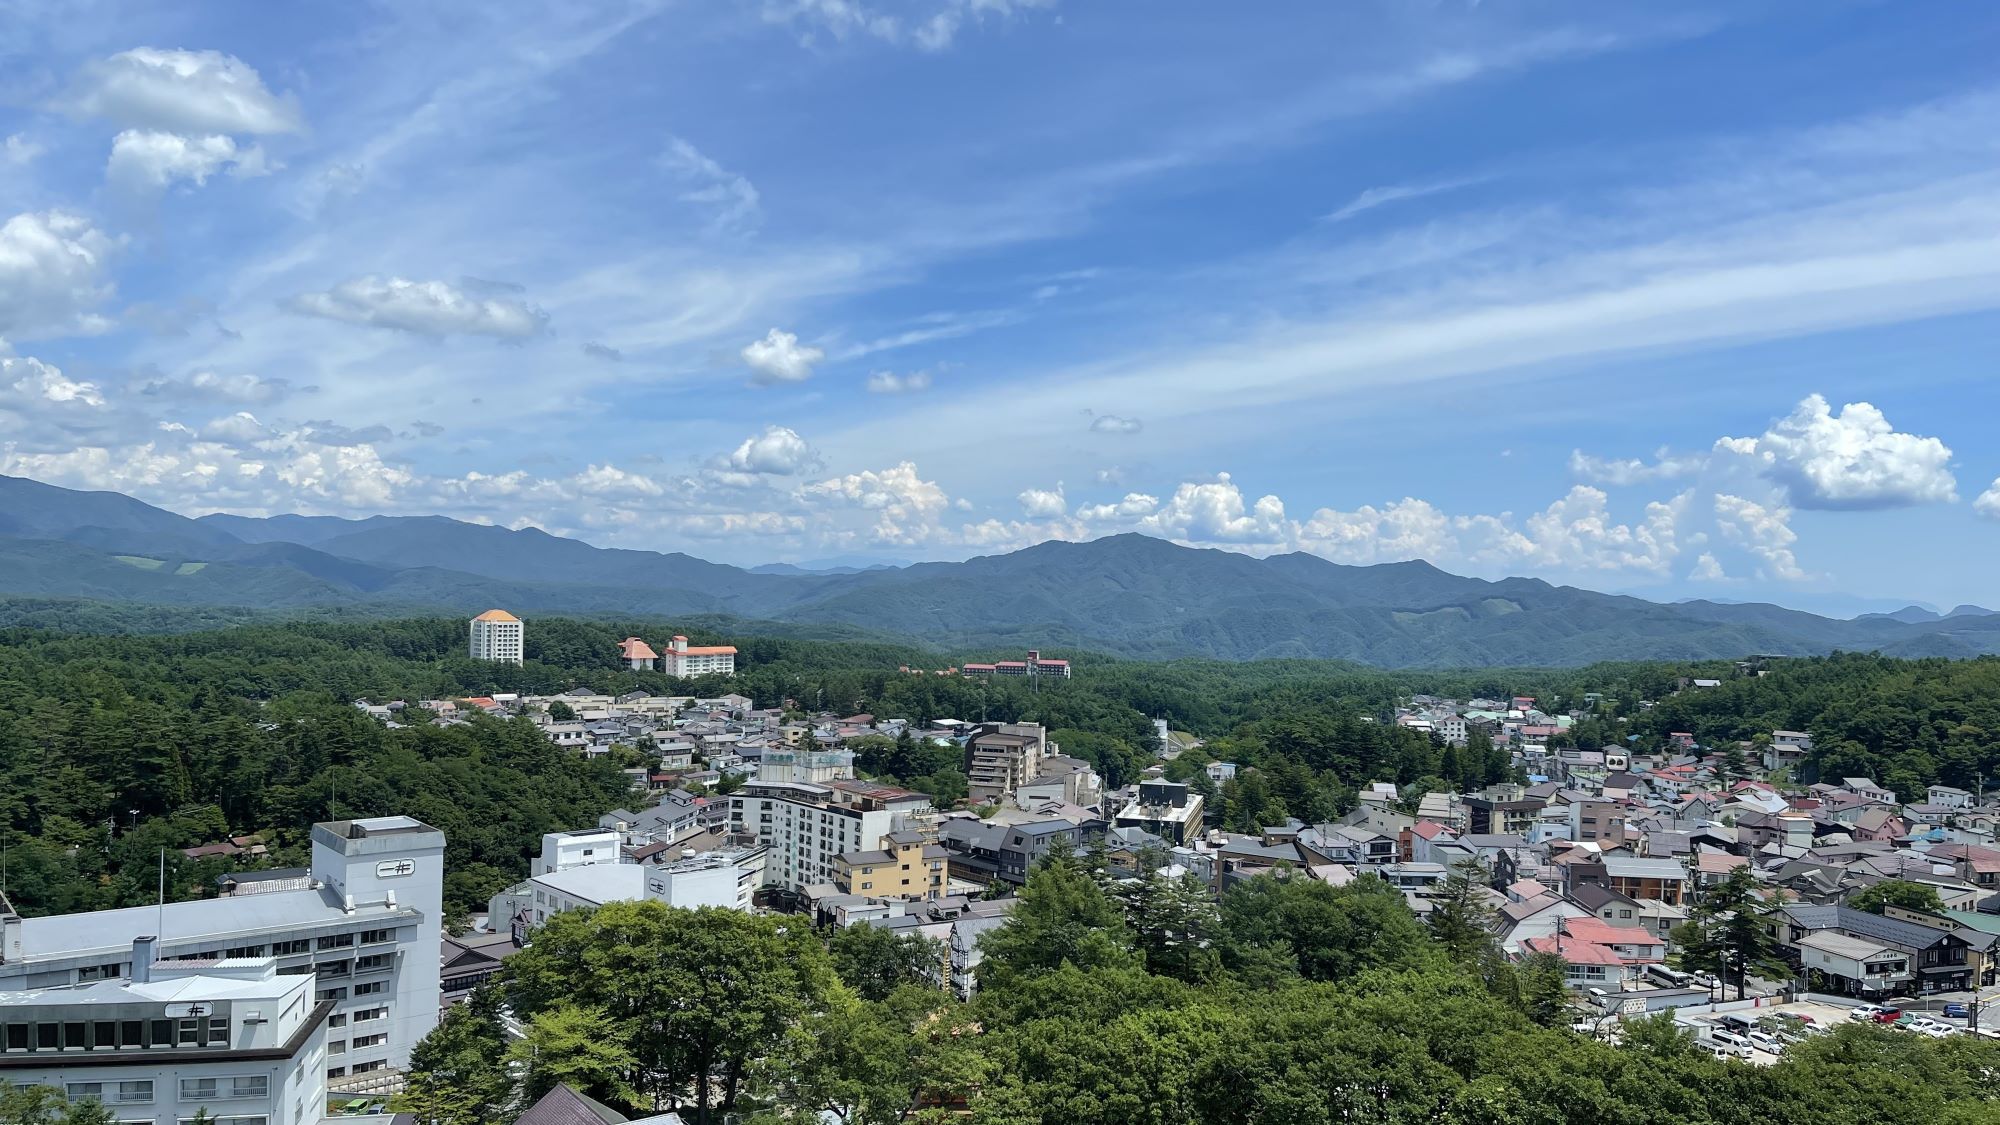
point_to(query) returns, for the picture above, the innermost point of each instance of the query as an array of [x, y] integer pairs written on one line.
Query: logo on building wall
[[395, 868]]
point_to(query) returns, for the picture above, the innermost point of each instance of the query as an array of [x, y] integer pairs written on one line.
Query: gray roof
[[565, 1106], [178, 923]]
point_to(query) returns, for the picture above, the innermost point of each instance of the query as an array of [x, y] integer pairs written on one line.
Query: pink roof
[[632, 648], [1427, 829], [1573, 951], [1599, 932], [1045, 660]]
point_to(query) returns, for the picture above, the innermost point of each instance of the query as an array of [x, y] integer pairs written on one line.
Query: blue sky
[[1678, 299]]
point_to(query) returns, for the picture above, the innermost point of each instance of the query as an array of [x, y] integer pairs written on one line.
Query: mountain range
[[1126, 594]]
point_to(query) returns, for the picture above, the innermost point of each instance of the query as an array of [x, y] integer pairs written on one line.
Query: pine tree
[[1461, 918]]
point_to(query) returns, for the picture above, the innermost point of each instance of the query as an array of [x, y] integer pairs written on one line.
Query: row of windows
[[111, 1035]]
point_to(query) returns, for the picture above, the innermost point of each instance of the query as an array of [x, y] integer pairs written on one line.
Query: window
[[281, 948], [244, 951], [372, 937], [17, 1036], [367, 1014], [336, 1072], [240, 1086], [363, 1041], [331, 994], [123, 1093], [378, 1064], [374, 961], [336, 941]]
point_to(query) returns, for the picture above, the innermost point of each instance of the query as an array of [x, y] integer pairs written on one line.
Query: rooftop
[[497, 615]]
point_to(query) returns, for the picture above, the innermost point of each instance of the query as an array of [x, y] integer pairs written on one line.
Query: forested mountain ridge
[[1128, 594]]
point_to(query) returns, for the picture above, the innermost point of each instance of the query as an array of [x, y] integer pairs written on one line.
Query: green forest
[[1107, 1001], [117, 747]]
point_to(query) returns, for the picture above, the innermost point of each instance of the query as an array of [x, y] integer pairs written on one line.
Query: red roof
[[1043, 660], [1600, 932], [1427, 829], [978, 667], [632, 648], [706, 650]]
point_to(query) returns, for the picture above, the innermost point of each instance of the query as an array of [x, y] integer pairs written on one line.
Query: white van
[[1730, 1041]]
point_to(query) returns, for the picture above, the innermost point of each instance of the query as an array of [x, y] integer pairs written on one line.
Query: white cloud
[[1042, 503], [730, 197], [52, 266], [20, 149], [1763, 531], [1851, 459], [240, 428], [1407, 529], [890, 383], [242, 387], [145, 160], [936, 31], [1375, 197], [1988, 503], [780, 358], [1215, 512], [1134, 506], [777, 451], [1623, 473], [905, 505], [1707, 568], [434, 308], [1115, 424], [29, 380], [193, 92], [1577, 532]]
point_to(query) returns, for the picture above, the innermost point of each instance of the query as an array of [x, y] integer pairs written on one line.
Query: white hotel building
[[496, 635], [231, 1037], [363, 924]]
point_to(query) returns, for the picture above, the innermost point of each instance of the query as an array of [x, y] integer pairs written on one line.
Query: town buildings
[[496, 636], [363, 924], [231, 1037], [999, 757]]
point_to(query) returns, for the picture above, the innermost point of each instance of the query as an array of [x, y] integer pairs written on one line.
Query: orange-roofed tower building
[[496, 636], [682, 659]]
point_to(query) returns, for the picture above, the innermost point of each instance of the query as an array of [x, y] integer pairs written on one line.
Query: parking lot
[[1778, 1020]]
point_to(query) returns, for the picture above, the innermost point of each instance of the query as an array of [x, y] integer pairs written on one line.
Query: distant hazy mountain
[[1129, 594]]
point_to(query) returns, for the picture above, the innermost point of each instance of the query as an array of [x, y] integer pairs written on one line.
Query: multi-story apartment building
[[682, 659], [232, 1037], [905, 866], [808, 826], [999, 757], [364, 922], [1167, 809], [1034, 665], [496, 636]]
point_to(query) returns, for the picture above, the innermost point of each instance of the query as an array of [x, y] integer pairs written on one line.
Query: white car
[[1923, 1025], [1866, 1012], [1765, 1041]]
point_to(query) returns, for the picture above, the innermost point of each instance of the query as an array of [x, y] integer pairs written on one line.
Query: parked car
[[1923, 1025], [1888, 1015], [1765, 1041], [1957, 1012], [1866, 1012], [1730, 1041]]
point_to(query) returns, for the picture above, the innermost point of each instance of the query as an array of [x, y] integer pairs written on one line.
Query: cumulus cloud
[[1406, 529], [890, 383], [1215, 512], [190, 92], [1134, 506], [778, 451], [240, 428], [1852, 458], [1043, 503], [731, 198], [52, 266], [29, 379], [1988, 503], [144, 160], [780, 358], [906, 506], [1115, 424], [433, 308], [1764, 531], [19, 150], [1707, 568]]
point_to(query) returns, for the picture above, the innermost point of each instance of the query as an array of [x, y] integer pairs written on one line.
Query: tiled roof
[[496, 615]]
